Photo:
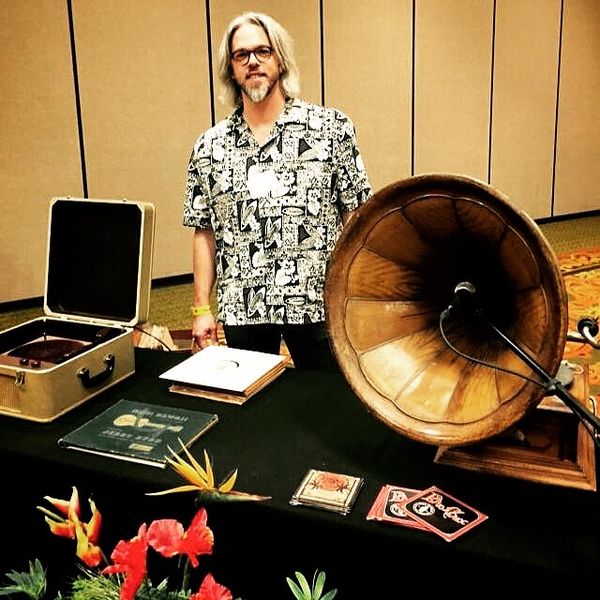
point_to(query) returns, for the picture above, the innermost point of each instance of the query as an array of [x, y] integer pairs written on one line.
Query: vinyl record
[[53, 351]]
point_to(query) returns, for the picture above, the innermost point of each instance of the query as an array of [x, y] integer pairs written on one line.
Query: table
[[546, 534]]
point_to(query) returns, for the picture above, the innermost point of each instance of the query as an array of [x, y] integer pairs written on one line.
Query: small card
[[442, 513], [330, 491], [387, 506]]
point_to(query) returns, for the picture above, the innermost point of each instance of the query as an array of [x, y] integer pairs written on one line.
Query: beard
[[257, 91]]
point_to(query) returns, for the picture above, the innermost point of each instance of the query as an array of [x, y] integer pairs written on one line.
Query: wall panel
[[453, 44], [524, 102], [368, 75], [40, 149], [578, 144], [300, 18], [145, 96]]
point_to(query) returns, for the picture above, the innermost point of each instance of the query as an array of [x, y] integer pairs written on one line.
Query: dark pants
[[308, 344]]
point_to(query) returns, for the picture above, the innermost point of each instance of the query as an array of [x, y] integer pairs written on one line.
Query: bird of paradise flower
[[202, 480]]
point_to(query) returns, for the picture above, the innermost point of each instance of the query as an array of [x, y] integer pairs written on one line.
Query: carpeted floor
[[581, 271]]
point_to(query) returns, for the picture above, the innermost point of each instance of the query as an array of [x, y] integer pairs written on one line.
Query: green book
[[139, 432]]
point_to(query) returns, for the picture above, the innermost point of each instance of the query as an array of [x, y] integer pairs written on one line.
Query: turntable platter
[[54, 350]]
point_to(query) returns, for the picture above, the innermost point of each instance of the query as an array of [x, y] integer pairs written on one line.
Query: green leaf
[[32, 582], [233, 496], [92, 586], [304, 585], [330, 595], [318, 584], [295, 589]]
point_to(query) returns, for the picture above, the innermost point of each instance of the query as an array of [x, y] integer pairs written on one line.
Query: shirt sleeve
[[352, 182], [196, 212]]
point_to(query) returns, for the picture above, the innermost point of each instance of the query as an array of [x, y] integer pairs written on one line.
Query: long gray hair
[[283, 48]]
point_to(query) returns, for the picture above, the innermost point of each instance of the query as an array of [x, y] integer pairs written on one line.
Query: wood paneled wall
[[523, 120], [105, 99], [578, 139], [367, 69]]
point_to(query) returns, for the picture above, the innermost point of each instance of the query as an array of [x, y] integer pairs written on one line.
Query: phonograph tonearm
[[465, 299]]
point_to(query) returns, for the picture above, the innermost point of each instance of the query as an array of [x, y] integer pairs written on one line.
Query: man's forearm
[[203, 265]]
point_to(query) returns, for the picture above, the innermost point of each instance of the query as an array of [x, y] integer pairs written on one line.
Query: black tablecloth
[[545, 534]]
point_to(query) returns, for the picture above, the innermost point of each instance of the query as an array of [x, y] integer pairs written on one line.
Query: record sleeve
[[225, 374]]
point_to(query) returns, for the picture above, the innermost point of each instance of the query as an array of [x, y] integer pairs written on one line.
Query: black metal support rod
[[552, 385], [523, 355]]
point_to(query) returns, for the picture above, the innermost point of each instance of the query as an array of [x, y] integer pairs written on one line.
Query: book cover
[[139, 432], [225, 373]]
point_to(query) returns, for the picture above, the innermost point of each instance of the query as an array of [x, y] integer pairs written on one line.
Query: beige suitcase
[[98, 275]]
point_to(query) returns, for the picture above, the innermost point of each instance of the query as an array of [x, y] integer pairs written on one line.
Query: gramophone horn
[[393, 272]]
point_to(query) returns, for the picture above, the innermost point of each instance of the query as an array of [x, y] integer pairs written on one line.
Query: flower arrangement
[[125, 576]]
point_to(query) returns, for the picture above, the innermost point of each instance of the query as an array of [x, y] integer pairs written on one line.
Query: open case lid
[[99, 260]]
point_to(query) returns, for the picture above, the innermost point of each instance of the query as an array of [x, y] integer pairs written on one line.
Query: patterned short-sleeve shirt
[[275, 209]]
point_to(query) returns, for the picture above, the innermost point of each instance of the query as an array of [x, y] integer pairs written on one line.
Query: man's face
[[256, 79]]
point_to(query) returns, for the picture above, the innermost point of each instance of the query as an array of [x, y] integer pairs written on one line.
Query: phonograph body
[[98, 275], [433, 362]]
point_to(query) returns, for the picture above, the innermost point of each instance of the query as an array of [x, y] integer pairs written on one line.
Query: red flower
[[168, 537], [130, 558], [211, 590]]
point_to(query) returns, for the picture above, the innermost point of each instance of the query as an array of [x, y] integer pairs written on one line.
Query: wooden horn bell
[[392, 273]]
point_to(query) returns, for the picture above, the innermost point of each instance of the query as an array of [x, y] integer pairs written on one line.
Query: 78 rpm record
[[54, 351]]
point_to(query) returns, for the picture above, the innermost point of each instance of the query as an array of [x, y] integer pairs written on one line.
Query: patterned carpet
[[581, 271]]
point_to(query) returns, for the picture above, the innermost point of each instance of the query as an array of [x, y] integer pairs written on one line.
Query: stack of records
[[225, 374]]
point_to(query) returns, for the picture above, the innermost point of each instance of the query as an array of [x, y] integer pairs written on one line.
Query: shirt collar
[[242, 131]]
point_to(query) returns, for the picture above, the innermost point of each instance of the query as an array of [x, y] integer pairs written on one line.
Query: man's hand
[[204, 331]]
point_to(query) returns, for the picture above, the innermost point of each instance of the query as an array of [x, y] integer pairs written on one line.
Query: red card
[[387, 506], [442, 513]]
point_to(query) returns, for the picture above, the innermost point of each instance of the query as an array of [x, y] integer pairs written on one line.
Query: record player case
[[98, 274]]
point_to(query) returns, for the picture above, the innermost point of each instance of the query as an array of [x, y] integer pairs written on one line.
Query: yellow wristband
[[199, 311]]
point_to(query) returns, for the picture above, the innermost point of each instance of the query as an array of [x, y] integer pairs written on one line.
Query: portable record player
[[98, 275]]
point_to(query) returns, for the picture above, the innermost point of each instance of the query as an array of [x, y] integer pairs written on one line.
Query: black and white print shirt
[[275, 209]]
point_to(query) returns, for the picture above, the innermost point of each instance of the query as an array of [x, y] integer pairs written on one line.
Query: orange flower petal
[[62, 529], [92, 529], [63, 506]]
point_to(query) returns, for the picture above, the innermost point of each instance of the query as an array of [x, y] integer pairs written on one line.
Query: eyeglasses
[[261, 53]]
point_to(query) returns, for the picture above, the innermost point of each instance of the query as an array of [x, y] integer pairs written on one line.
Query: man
[[268, 190]]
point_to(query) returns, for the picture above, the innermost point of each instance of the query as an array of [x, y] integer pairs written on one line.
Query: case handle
[[89, 381]]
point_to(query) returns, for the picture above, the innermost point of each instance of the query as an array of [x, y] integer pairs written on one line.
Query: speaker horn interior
[[395, 269]]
